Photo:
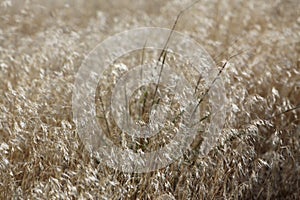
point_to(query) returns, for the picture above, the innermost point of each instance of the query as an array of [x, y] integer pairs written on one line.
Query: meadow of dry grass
[[42, 45]]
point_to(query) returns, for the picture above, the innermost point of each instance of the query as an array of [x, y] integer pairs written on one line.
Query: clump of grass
[[42, 47]]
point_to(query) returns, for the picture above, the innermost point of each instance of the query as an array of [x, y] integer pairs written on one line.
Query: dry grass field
[[42, 46]]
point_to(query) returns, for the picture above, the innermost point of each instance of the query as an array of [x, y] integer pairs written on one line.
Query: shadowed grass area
[[42, 45]]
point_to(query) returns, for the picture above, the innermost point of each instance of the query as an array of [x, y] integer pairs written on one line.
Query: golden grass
[[42, 45]]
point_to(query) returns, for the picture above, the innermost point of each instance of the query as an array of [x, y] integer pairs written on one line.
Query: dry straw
[[42, 45]]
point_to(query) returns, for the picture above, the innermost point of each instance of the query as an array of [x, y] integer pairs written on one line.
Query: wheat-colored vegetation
[[42, 45]]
